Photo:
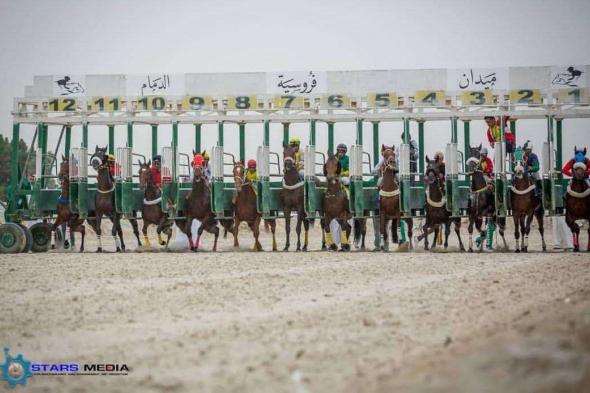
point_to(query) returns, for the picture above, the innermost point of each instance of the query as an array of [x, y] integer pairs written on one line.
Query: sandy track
[[262, 322]]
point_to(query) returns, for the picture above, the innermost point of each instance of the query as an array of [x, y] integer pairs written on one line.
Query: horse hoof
[[53, 246], [525, 249], [99, 249], [471, 250], [462, 249], [304, 248], [286, 248], [118, 249], [517, 250], [324, 248]]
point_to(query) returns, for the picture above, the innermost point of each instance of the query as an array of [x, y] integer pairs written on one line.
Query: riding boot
[[491, 228]]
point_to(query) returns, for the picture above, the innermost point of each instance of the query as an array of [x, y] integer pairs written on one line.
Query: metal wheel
[[12, 238], [28, 237], [41, 232]]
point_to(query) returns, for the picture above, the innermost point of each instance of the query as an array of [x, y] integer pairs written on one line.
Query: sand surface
[[302, 322]]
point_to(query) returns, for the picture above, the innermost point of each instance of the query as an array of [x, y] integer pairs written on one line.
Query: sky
[[127, 37]]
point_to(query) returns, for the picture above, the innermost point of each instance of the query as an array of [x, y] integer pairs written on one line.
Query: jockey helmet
[[111, 157], [205, 156], [157, 158], [439, 155], [342, 146], [484, 151], [294, 140], [251, 164]]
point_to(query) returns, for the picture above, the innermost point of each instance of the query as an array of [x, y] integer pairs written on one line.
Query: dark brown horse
[[198, 206], [389, 199], [525, 204], [64, 214], [245, 208], [481, 200], [577, 203], [105, 200], [292, 198], [436, 210], [335, 205], [151, 212]]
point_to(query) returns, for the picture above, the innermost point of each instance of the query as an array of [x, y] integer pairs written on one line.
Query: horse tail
[[357, 230]]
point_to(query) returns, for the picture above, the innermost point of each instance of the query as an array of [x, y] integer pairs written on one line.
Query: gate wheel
[[41, 232], [12, 238], [28, 236]]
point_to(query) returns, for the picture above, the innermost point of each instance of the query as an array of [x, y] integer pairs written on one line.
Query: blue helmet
[[579, 155]]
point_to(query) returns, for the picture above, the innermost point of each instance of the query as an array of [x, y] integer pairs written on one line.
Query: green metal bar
[[559, 147], [266, 138], [198, 137], [243, 142], [174, 147], [375, 143], [286, 133], [220, 133], [312, 132], [68, 141], [154, 140], [454, 136], [111, 139], [359, 132], [406, 133], [14, 180], [331, 137], [421, 146], [513, 128], [43, 146], [466, 138], [85, 135], [130, 134]]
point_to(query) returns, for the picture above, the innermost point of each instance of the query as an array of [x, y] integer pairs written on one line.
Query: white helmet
[[484, 151], [528, 145]]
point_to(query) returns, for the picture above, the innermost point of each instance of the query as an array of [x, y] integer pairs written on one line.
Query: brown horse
[[436, 210], [389, 199], [292, 198], [151, 211], [105, 200], [335, 204], [245, 209], [577, 203], [525, 204], [64, 213], [198, 206]]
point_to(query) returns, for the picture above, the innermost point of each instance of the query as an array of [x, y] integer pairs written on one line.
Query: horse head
[[198, 170], [64, 168], [288, 158], [473, 158], [580, 171], [433, 171], [145, 175], [332, 167], [98, 160], [239, 175], [388, 154]]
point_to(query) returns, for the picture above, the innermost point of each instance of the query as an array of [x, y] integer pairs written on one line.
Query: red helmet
[[198, 161], [251, 164]]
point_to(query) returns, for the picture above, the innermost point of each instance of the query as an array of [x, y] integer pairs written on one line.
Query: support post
[[312, 132], [513, 128], [421, 146], [68, 142], [243, 142], [286, 133], [174, 148], [154, 140], [198, 137], [466, 139], [266, 139], [130, 135], [331, 136], [111, 139], [359, 131], [376, 148], [558, 148], [85, 135], [220, 133], [14, 163]]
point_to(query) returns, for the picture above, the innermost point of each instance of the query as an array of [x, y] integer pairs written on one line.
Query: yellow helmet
[[294, 140], [205, 156], [111, 157]]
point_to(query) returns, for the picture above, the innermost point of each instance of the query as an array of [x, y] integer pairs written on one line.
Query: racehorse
[[64, 213], [389, 199], [481, 200], [198, 206], [151, 211], [245, 208], [292, 198], [577, 203], [524, 204], [335, 205], [436, 210]]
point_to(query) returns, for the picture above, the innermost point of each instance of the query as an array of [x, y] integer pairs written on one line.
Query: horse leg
[[287, 214], [273, 228], [501, 227], [98, 230], [470, 231], [116, 228], [144, 230], [328, 234], [298, 231], [235, 230], [324, 248], [82, 230], [363, 223], [457, 226], [67, 233], [482, 233], [188, 232], [571, 223], [516, 219], [394, 237], [345, 232], [527, 230], [410, 225], [211, 226], [57, 223], [447, 233], [539, 215], [425, 230], [120, 231], [437, 229], [255, 226], [383, 230], [306, 233], [135, 227]]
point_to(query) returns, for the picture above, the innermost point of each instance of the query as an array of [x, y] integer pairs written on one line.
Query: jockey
[[344, 161], [494, 133], [579, 161], [251, 174], [413, 156], [532, 166], [295, 142], [207, 165], [111, 165], [439, 157], [486, 165], [156, 171]]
